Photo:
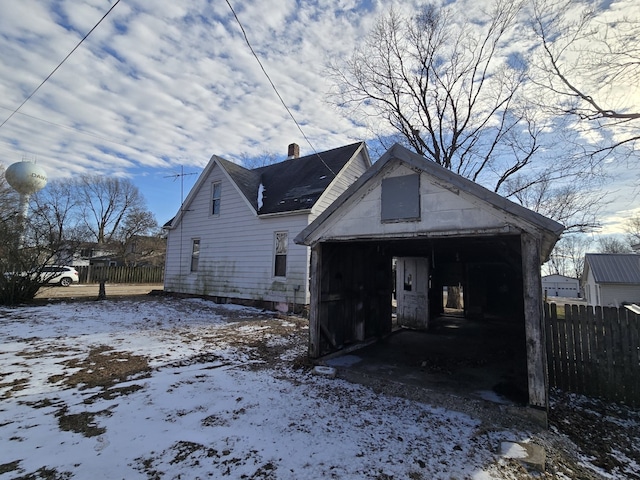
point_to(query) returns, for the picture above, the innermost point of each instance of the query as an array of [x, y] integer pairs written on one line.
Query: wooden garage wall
[[352, 301]]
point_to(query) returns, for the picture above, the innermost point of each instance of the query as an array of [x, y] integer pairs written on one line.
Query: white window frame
[[195, 255], [216, 188], [280, 250]]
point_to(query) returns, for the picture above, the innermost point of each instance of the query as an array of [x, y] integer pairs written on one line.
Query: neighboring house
[[611, 279], [81, 254], [233, 237], [139, 251], [560, 286]]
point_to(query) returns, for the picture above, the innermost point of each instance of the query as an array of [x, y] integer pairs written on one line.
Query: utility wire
[[246, 39], [59, 65]]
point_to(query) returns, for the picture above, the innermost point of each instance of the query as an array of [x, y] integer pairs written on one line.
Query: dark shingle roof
[[614, 267], [294, 184]]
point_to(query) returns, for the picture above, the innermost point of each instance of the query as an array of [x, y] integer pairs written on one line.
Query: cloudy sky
[[162, 85]]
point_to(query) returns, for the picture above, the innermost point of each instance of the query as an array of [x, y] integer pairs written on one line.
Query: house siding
[[236, 250], [352, 171], [608, 293], [615, 295]]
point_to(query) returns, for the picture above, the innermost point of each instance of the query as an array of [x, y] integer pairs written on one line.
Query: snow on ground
[[183, 388]]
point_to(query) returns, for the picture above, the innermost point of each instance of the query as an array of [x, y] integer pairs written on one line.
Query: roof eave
[[306, 211]]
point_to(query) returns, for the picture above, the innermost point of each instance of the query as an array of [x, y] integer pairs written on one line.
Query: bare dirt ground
[[84, 291]]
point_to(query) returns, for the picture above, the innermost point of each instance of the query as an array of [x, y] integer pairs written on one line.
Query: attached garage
[[412, 232]]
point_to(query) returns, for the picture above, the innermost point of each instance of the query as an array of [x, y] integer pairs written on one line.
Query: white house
[[611, 279], [233, 237], [560, 286]]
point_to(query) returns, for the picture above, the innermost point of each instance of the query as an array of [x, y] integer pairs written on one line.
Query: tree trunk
[[454, 299]]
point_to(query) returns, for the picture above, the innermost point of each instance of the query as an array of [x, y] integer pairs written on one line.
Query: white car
[[64, 276]]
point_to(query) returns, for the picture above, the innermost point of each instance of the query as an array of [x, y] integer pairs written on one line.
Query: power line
[[59, 65], [246, 39]]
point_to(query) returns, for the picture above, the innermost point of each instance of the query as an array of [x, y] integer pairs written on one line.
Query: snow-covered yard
[[183, 388]]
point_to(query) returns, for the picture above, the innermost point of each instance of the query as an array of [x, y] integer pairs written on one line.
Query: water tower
[[26, 178]]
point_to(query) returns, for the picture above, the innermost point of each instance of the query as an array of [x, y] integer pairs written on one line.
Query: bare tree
[[54, 212], [453, 91], [440, 82], [632, 228], [106, 201], [567, 257], [612, 244], [262, 160], [575, 204], [23, 253], [134, 239], [8, 198], [589, 63]]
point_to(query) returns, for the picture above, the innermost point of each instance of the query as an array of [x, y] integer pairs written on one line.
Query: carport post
[[533, 317], [314, 300]]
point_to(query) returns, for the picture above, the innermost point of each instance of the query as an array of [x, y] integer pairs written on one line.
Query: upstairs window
[[401, 199], [281, 247], [216, 191], [195, 254]]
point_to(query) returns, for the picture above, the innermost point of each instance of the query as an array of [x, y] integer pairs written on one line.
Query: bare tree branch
[[590, 63], [447, 87]]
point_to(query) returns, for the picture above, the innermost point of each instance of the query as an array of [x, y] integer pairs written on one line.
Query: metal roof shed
[[405, 206]]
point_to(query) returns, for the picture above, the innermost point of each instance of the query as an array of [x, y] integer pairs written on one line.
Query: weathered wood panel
[[533, 317], [351, 296], [595, 352]]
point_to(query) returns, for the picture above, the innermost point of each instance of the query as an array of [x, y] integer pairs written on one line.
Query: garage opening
[[473, 346]]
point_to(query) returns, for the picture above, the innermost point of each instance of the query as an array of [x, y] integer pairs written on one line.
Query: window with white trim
[[281, 249], [216, 193], [195, 254]]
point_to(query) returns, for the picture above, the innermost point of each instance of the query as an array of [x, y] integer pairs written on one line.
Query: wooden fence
[[95, 274], [594, 351]]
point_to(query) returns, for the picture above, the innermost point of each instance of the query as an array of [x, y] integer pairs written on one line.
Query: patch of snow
[[328, 372], [512, 450], [261, 190], [207, 408]]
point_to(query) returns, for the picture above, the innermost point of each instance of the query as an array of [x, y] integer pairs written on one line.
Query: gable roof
[[550, 229], [294, 184], [289, 186], [614, 267]]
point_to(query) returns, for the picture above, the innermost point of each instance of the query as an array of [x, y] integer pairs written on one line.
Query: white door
[[412, 292]]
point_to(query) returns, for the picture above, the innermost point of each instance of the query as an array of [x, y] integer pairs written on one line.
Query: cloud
[[164, 84]]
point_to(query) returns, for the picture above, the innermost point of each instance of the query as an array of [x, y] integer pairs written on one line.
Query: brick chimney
[[294, 151]]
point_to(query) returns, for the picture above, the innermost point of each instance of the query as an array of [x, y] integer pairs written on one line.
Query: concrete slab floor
[[482, 359]]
